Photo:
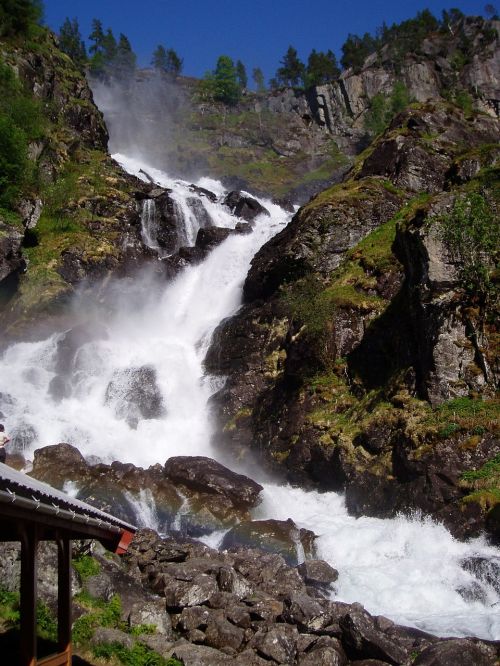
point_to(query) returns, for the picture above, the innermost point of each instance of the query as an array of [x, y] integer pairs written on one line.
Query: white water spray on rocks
[[406, 568]]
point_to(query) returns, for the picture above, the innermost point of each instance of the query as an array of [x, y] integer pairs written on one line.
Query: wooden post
[[64, 597], [28, 595]]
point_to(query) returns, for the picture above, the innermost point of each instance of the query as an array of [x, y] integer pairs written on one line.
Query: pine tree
[[292, 71], [124, 61], [321, 68], [241, 75], [258, 79], [18, 16], [159, 59], [174, 63], [71, 42]]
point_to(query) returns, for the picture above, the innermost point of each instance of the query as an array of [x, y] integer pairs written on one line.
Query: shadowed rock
[[204, 474]]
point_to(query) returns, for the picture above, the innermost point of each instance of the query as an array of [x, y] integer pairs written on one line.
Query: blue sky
[[258, 32]]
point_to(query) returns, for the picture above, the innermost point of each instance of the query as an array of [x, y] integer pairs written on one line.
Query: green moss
[[86, 566]]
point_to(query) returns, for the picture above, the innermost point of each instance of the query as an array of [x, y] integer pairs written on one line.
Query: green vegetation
[[484, 484], [21, 121], [9, 608], [19, 17], [471, 232], [86, 566], [138, 655], [10, 615], [167, 61], [71, 42], [383, 108], [398, 39], [110, 58], [221, 84]]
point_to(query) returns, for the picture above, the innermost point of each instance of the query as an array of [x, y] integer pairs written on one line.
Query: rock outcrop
[[195, 495], [357, 332]]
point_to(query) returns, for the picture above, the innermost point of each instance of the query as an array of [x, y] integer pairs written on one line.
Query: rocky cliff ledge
[[365, 355], [76, 218]]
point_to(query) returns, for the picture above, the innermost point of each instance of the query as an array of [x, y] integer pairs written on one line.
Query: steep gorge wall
[[345, 337]]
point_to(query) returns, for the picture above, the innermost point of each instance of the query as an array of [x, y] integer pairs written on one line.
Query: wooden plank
[[60, 659], [64, 595], [28, 595]]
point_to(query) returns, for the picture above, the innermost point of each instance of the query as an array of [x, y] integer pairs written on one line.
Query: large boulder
[[134, 395], [244, 206], [206, 475], [282, 537]]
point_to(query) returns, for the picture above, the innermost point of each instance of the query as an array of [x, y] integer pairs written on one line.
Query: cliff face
[[294, 143], [77, 219], [362, 359]]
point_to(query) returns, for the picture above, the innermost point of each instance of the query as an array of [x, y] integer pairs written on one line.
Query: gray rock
[[199, 655], [204, 474], [278, 643], [105, 635], [152, 612], [99, 586], [317, 572], [244, 206], [190, 593], [364, 640], [326, 656], [456, 652], [220, 633], [134, 395]]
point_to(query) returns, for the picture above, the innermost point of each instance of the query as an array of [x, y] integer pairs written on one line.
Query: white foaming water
[[407, 569], [170, 332]]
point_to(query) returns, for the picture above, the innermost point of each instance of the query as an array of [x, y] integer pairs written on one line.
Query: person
[[3, 441]]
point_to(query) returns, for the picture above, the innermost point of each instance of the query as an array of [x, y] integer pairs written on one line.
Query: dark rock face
[[243, 206], [244, 607], [211, 496], [11, 259], [135, 395], [209, 238], [357, 294], [207, 475]]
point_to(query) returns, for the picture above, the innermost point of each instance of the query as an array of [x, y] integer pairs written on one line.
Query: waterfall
[[407, 568], [149, 227]]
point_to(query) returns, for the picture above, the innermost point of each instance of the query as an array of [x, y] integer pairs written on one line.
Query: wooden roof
[[25, 499]]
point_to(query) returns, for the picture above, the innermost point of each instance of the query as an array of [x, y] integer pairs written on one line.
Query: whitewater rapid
[[406, 568]]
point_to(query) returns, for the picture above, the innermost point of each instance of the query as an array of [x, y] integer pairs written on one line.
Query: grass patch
[[86, 566], [138, 655]]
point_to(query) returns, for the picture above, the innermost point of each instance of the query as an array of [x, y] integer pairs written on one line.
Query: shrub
[[470, 231]]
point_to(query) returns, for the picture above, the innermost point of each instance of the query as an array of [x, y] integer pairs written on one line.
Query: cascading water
[[406, 568]]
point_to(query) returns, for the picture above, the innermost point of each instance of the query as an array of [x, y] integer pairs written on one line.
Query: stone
[[106, 636], [317, 572], [323, 657], [244, 206], [220, 633], [456, 652], [202, 192], [204, 474], [152, 612], [279, 643], [199, 655], [189, 593], [99, 586], [134, 395], [207, 239], [363, 640], [272, 536]]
